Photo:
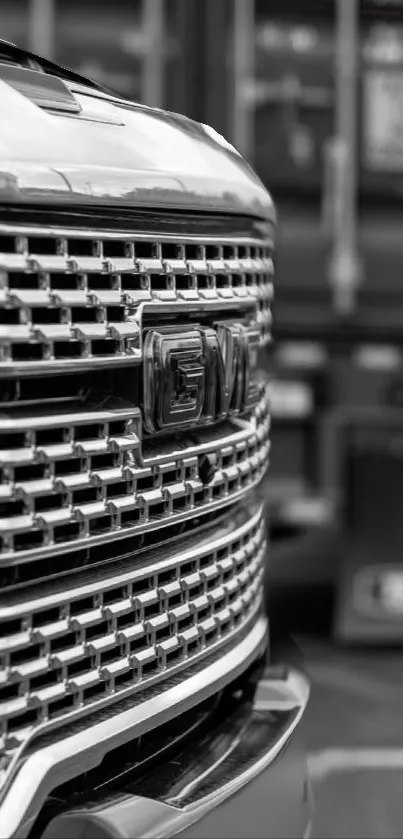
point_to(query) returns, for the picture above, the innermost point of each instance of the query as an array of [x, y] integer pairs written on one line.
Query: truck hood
[[118, 153]]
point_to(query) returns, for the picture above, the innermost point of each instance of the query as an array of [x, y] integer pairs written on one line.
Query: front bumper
[[246, 780]]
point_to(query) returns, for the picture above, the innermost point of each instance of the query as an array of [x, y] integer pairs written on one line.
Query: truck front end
[[136, 692]]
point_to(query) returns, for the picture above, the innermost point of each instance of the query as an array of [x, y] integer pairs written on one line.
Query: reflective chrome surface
[[131, 555], [82, 646], [185, 793], [76, 467], [83, 747], [97, 604], [194, 375], [89, 491], [138, 157], [75, 298]]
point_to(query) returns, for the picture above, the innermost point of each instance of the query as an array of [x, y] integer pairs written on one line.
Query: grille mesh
[[82, 482], [69, 650], [74, 478], [66, 295]]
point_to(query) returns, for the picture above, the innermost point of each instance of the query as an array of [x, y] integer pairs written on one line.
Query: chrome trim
[[153, 819], [249, 469], [113, 535], [93, 233], [74, 365], [59, 684], [220, 594], [207, 543], [42, 423], [114, 289], [63, 760]]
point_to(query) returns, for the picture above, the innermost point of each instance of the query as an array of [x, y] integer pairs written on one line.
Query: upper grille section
[[68, 297], [75, 466]]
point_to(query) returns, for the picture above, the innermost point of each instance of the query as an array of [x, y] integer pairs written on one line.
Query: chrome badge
[[195, 375]]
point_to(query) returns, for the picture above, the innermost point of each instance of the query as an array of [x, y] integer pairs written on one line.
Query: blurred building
[[170, 53]]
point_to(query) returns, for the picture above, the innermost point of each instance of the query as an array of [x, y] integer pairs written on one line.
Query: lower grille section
[[75, 649]]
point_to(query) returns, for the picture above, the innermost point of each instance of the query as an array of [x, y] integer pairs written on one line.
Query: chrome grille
[[126, 555], [74, 648], [69, 295], [75, 479]]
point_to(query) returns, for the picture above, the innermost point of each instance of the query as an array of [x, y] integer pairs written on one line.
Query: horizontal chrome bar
[[36, 422], [67, 365], [241, 434], [96, 235]]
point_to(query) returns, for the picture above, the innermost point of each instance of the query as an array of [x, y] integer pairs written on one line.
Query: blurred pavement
[[354, 734]]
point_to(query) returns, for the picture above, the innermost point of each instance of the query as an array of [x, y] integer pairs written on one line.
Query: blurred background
[[311, 92]]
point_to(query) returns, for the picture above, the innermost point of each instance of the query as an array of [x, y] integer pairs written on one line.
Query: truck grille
[[98, 597]]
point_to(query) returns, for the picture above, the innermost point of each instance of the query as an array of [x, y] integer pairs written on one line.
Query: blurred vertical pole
[[153, 57], [345, 269], [216, 63], [243, 66], [200, 81], [42, 27], [187, 82]]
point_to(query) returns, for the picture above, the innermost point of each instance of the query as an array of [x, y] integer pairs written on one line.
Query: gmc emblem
[[195, 375]]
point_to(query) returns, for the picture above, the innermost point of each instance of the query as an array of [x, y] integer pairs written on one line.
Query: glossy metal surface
[[44, 90], [198, 374], [127, 628], [157, 485], [78, 296], [154, 159], [81, 301], [63, 759], [78, 470], [92, 303], [191, 790]]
